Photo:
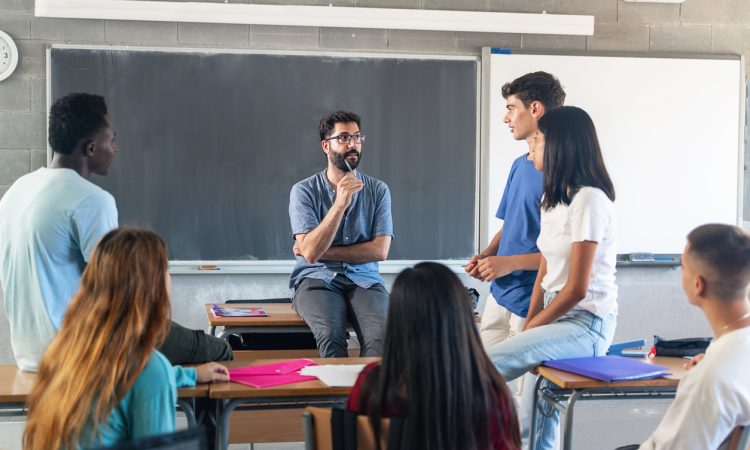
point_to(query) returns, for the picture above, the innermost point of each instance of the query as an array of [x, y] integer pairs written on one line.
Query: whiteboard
[[671, 131]]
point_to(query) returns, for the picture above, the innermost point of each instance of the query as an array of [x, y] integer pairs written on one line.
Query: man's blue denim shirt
[[368, 216]]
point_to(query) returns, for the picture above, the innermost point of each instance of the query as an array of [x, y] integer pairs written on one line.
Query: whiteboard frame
[[486, 126], [286, 266]]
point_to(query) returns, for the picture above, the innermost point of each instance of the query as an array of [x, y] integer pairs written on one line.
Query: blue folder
[[609, 368]]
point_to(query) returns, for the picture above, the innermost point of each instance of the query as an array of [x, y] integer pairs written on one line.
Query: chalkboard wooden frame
[[283, 265]]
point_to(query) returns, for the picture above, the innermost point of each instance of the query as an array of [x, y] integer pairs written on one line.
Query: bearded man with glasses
[[342, 225]]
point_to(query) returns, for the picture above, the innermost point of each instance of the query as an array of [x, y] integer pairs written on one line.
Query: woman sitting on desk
[[574, 301], [435, 371], [101, 381]]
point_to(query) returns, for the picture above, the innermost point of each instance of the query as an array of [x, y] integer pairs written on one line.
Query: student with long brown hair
[[434, 370], [101, 380]]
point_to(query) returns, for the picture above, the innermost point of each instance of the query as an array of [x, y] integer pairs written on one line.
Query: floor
[[599, 425]]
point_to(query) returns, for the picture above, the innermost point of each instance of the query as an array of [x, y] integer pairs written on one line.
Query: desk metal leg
[[567, 420], [186, 405], [532, 425], [212, 330], [224, 410]]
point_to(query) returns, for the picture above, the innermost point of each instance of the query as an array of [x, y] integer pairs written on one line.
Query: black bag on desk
[[680, 347], [474, 297]]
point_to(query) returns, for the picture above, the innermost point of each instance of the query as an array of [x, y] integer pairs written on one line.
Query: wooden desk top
[[305, 389], [16, 385], [567, 380], [279, 315]]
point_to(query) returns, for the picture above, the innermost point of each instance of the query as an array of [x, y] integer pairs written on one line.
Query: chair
[[193, 438], [338, 429], [739, 439]]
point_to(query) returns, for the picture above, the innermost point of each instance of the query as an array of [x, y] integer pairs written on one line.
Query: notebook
[[609, 368], [239, 311]]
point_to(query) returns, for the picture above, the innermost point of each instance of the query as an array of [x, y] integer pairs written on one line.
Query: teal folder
[[609, 368]]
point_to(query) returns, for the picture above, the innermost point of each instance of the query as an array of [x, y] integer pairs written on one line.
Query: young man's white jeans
[[498, 324]]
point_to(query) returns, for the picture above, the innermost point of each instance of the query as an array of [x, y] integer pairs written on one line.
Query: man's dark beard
[[338, 160]]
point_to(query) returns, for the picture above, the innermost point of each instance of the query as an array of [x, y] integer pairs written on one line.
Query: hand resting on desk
[[211, 372]]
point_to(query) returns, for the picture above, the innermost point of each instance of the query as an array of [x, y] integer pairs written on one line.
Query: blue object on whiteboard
[[501, 51]]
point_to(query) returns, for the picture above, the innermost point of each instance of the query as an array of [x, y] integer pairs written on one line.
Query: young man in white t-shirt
[[714, 397]]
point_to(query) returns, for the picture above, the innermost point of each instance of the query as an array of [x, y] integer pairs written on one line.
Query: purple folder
[[609, 368]]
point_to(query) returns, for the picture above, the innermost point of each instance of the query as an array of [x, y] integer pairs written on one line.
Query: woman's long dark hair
[[572, 156], [435, 369]]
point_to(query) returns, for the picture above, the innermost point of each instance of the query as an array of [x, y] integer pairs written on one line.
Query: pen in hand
[[351, 171]]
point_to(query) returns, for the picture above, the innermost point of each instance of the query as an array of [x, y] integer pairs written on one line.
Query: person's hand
[[346, 188], [471, 266], [211, 372], [694, 361], [493, 267], [296, 249]]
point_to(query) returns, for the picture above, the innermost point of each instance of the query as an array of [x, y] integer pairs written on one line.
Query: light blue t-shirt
[[367, 217], [520, 210], [149, 407], [50, 222]]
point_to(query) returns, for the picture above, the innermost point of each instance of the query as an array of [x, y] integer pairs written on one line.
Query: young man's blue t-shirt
[[520, 211]]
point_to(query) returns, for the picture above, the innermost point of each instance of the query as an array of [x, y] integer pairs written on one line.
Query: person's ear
[[89, 148], [537, 109], [699, 286], [325, 145]]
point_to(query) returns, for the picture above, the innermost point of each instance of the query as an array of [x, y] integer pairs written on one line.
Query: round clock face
[[8, 55]]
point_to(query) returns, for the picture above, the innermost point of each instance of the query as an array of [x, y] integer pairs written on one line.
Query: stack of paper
[[275, 374], [335, 375]]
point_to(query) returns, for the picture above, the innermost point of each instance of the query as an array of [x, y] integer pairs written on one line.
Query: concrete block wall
[[695, 26]]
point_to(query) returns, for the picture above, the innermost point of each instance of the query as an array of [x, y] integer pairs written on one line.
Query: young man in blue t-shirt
[[511, 260]]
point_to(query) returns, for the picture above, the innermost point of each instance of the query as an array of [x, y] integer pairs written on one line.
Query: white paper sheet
[[335, 375]]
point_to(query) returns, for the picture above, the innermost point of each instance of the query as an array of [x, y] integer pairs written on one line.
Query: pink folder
[[267, 375]]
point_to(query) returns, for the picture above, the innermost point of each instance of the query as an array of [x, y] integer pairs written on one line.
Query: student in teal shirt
[[101, 381]]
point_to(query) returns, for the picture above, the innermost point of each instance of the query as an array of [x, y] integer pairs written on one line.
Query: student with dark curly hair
[[50, 221]]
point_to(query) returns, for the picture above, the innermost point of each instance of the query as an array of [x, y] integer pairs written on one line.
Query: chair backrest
[[739, 439], [337, 429], [193, 438]]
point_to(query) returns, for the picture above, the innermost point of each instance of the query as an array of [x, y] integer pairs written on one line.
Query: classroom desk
[[281, 319], [230, 395], [572, 387], [16, 385]]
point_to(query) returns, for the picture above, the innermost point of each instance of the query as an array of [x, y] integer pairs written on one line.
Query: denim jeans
[[326, 308], [577, 334]]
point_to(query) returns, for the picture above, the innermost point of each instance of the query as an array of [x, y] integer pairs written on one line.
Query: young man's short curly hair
[[536, 86], [75, 118], [329, 121]]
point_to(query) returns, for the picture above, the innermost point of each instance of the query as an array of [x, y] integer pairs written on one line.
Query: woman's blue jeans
[[577, 334]]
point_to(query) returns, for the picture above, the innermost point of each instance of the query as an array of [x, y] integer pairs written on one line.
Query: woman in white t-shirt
[[574, 302]]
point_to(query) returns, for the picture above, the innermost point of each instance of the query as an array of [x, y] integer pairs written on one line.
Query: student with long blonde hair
[[101, 380]]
